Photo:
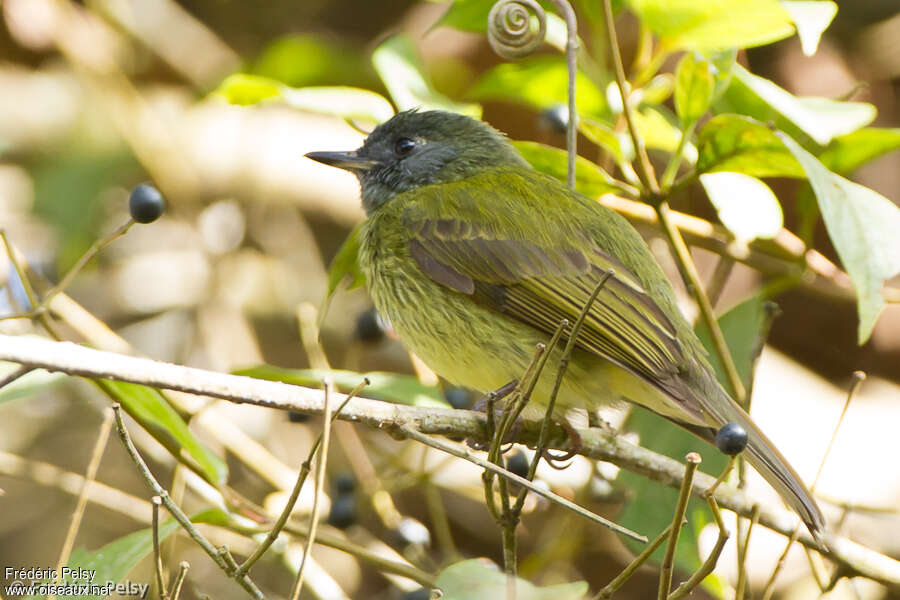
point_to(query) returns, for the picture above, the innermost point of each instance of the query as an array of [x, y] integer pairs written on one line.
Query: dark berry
[[345, 483], [457, 397], [731, 439], [145, 203], [419, 594], [555, 118], [369, 326], [518, 464], [343, 511], [297, 417]]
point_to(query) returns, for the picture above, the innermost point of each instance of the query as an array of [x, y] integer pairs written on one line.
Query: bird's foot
[[560, 461]]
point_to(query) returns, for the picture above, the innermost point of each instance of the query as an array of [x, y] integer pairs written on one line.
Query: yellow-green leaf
[[693, 88]]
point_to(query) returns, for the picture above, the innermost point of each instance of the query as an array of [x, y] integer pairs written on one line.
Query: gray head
[[421, 148]]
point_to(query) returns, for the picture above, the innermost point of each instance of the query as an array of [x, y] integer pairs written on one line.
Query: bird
[[475, 257]]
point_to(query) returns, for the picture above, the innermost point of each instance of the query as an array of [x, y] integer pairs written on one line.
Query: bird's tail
[[769, 462]]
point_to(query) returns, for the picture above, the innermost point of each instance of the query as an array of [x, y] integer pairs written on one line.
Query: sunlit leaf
[[746, 205], [722, 66], [390, 387], [346, 102], [150, 409], [820, 119], [344, 266], [114, 561], [863, 226], [714, 24], [590, 179], [693, 88], [659, 132], [478, 579], [744, 145], [812, 18], [539, 82], [400, 68], [656, 91], [848, 152], [603, 135]]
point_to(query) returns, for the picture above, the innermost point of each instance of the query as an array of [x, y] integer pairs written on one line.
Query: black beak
[[351, 161]]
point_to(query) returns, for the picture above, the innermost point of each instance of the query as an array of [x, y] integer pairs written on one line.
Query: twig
[[625, 574], [858, 378], [719, 277], [176, 512], [89, 477], [565, 9], [741, 585], [721, 478], [596, 444], [321, 462], [671, 170], [406, 431], [179, 580], [692, 280], [710, 563], [157, 555], [645, 169], [295, 492], [692, 461], [16, 374]]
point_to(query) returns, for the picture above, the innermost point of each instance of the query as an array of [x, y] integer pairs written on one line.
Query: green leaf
[[863, 226], [28, 384], [714, 24], [153, 412], [722, 65], [344, 265], [466, 15], [848, 152], [539, 82], [745, 327], [400, 68], [694, 85], [602, 134], [659, 132], [812, 18], [590, 179], [346, 102], [301, 60], [479, 579], [746, 205], [390, 387], [112, 562], [819, 119], [744, 145]]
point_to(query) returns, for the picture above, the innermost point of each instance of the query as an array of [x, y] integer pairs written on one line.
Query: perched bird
[[475, 257]]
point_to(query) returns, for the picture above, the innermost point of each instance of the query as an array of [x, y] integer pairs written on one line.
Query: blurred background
[[99, 96]]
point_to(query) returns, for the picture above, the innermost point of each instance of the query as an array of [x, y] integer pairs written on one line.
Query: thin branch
[[157, 555], [625, 574], [565, 9], [596, 444], [717, 280], [321, 462], [89, 477], [295, 492], [244, 581], [709, 564], [405, 430], [16, 374], [741, 585], [692, 461], [645, 169], [179, 580]]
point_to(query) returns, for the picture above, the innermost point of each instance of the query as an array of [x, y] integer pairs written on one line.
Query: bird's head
[[414, 148]]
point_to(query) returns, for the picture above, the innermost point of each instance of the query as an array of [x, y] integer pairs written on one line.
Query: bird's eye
[[404, 146]]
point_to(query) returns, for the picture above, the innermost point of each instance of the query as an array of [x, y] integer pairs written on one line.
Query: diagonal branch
[[73, 359]]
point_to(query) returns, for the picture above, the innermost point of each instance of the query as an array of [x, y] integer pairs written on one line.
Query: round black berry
[[731, 439], [518, 464], [369, 326], [345, 483], [145, 203], [555, 118], [297, 417], [343, 511], [457, 397]]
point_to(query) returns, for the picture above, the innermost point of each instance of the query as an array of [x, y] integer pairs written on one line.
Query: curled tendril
[[509, 28]]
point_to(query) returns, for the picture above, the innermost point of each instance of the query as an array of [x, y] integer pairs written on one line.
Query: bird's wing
[[537, 264]]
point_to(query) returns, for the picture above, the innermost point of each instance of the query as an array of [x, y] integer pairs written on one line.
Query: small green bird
[[475, 258]]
